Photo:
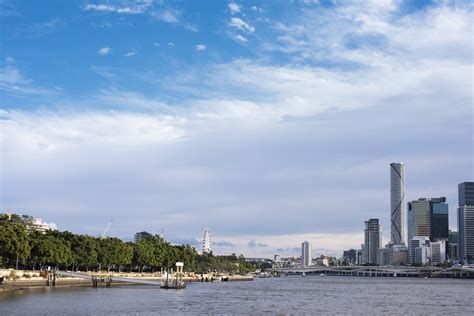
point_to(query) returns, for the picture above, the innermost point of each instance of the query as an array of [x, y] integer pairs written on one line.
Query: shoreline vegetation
[[29, 253]]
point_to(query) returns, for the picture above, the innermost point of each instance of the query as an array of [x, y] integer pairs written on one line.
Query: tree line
[[24, 248]]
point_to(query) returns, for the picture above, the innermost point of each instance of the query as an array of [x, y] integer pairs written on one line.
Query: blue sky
[[269, 122]]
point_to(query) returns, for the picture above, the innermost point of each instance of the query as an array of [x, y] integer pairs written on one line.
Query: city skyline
[[268, 123]]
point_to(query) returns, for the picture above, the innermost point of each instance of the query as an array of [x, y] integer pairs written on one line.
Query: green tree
[[144, 254], [84, 249], [14, 244], [49, 250]]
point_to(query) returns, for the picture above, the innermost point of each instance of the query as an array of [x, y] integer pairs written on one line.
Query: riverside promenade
[[19, 279]]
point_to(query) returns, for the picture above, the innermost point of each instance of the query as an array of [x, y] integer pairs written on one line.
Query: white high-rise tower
[[397, 203], [306, 253]]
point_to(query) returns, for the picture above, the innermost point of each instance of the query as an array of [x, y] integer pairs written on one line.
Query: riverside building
[[350, 256], [415, 243], [427, 218], [397, 203], [438, 251], [466, 221], [372, 240], [393, 255], [419, 218], [453, 242], [439, 219]]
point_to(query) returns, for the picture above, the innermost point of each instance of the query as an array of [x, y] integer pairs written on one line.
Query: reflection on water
[[279, 295]]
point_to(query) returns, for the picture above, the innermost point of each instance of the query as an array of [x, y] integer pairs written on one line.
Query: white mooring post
[[179, 274]]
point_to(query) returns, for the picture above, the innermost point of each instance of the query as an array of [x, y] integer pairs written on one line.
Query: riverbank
[[22, 279]]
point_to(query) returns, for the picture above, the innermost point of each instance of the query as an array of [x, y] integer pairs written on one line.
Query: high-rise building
[[466, 221], [360, 255], [306, 253], [398, 255], [383, 258], [373, 240], [439, 219], [415, 243], [393, 255], [419, 218], [350, 256], [466, 193], [438, 251], [397, 203], [423, 254], [427, 218], [142, 235], [453, 244], [466, 232]]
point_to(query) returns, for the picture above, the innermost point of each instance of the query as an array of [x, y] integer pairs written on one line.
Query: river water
[[285, 295]]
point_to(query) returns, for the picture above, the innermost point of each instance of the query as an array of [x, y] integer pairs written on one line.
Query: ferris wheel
[[206, 241]]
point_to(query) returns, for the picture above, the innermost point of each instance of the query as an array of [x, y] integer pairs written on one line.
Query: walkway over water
[[112, 278]]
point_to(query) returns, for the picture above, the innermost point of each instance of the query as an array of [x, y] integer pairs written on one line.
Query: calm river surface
[[285, 295]]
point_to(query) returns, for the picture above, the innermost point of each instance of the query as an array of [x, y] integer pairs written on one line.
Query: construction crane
[[107, 229]]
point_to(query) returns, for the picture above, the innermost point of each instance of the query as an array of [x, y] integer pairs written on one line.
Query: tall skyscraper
[[418, 218], [466, 232], [466, 221], [439, 219], [453, 244], [466, 193], [428, 218], [306, 253], [373, 240], [397, 203]]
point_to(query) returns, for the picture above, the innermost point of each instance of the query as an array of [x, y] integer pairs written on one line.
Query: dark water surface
[[285, 295]]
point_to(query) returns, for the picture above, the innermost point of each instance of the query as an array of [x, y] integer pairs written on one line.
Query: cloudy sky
[[270, 122]]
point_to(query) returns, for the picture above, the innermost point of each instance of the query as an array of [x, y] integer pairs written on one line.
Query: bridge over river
[[380, 271]]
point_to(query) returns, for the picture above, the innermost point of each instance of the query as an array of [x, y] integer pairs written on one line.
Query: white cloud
[[200, 47], [128, 7], [241, 25], [156, 44], [130, 53], [167, 15], [191, 27], [234, 7], [14, 82], [374, 32], [240, 38], [104, 51], [171, 44]]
